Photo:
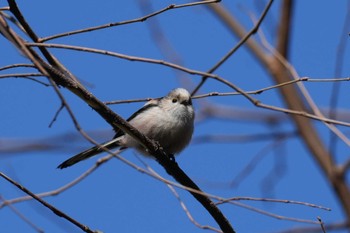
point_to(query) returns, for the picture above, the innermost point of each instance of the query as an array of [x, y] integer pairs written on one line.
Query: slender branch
[[274, 201], [28, 76], [14, 9], [236, 47], [5, 8], [168, 182], [190, 71], [56, 115], [127, 101], [242, 138], [280, 217], [189, 215], [117, 122], [65, 187], [294, 102], [344, 168], [248, 169], [254, 92], [23, 217], [183, 206], [322, 224], [329, 227], [338, 68], [16, 66], [21, 75], [141, 19], [46, 204]]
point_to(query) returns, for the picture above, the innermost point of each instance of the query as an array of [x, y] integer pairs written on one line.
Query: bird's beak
[[187, 102]]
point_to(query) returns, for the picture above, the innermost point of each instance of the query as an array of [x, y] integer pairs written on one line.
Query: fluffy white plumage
[[168, 120]]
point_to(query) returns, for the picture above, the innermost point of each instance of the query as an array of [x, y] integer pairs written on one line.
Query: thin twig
[[128, 101], [182, 204], [141, 19], [220, 199], [5, 8], [344, 168], [26, 76], [253, 92], [236, 47], [190, 71], [189, 215], [336, 226], [280, 217], [338, 69], [321, 224], [195, 72], [242, 138], [273, 200], [303, 89], [56, 115], [16, 66], [65, 187], [21, 75], [117, 122], [46, 204], [23, 217], [248, 169]]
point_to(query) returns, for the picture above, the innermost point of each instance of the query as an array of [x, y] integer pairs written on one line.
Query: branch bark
[[292, 97], [61, 77]]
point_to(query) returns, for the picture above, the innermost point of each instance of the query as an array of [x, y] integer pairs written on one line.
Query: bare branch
[[24, 218], [26, 76], [273, 200], [239, 44], [137, 20], [64, 187], [46, 204], [183, 206], [56, 115], [5, 8], [115, 120], [216, 77], [330, 227], [16, 66], [338, 68], [322, 224]]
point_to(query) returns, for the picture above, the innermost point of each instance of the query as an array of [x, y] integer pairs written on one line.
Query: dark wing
[[88, 153], [108, 145], [146, 107]]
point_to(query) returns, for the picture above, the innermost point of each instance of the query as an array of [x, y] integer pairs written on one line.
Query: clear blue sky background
[[117, 198]]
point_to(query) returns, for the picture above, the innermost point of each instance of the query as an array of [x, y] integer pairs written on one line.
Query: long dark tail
[[89, 153]]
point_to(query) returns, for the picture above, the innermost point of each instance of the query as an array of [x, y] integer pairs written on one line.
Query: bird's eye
[[174, 100]]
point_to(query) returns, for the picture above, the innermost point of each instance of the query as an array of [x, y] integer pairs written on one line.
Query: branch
[[65, 80], [141, 19], [294, 102], [183, 206], [243, 40], [64, 187], [24, 218], [44, 203], [16, 65], [28, 76], [254, 101], [328, 227]]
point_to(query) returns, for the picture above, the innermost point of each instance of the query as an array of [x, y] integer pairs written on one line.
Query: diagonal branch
[[62, 78], [292, 99], [140, 19], [244, 39], [52, 208]]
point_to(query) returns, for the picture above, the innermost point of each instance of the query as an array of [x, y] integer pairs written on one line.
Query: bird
[[168, 120]]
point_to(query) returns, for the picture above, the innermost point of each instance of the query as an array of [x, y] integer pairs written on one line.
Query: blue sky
[[119, 198]]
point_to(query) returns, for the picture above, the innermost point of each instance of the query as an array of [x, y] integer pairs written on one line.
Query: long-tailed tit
[[168, 121]]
